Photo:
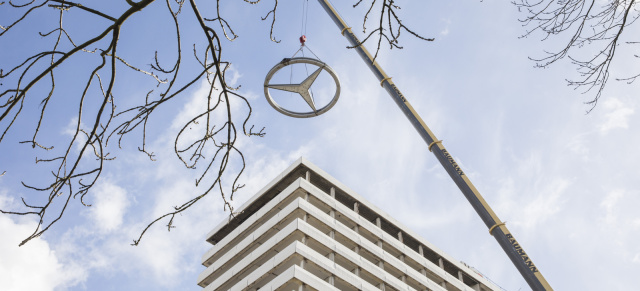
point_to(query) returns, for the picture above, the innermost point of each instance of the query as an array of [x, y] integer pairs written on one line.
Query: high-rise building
[[307, 231]]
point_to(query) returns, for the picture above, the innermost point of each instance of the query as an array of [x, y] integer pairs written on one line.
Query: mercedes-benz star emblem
[[303, 88]]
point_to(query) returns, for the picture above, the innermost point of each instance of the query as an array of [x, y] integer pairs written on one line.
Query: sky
[[566, 182]]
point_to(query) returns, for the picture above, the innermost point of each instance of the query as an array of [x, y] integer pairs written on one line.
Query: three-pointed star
[[302, 88]]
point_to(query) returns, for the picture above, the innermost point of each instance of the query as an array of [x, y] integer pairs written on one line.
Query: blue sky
[[566, 182]]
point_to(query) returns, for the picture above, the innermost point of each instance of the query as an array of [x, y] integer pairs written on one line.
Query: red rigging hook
[[303, 39]]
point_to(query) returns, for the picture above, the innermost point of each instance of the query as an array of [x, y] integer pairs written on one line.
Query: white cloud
[[617, 116], [110, 205], [70, 131], [545, 205], [232, 76], [578, 145], [609, 204], [447, 23], [34, 266]]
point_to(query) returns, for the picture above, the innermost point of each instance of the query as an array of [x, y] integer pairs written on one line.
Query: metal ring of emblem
[[291, 61]]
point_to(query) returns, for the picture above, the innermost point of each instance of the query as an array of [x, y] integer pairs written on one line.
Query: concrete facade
[[307, 231]]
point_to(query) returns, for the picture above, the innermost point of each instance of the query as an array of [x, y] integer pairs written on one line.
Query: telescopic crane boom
[[496, 227]]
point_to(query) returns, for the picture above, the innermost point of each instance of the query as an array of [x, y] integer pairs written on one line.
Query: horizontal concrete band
[[297, 273]]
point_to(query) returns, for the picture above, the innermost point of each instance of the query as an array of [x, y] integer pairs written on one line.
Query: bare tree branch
[[590, 24], [73, 172], [385, 29], [206, 143]]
